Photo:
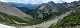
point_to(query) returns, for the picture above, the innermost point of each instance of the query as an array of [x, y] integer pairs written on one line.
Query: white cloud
[[44, 1], [18, 1], [3, 0], [70, 0], [56, 1], [37, 1]]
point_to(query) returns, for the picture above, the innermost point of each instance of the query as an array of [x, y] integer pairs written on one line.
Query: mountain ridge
[[9, 9]]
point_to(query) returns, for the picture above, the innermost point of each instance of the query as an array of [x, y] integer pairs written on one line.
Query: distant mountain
[[38, 12], [9, 9], [46, 9], [30, 6], [12, 15], [27, 8]]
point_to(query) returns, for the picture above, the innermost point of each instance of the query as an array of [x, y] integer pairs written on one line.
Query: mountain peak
[[51, 2]]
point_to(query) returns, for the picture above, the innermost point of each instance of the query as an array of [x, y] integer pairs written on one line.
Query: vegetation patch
[[15, 20], [71, 20]]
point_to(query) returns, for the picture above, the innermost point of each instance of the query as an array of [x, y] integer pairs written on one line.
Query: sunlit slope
[[70, 21], [10, 15], [10, 19], [9, 9]]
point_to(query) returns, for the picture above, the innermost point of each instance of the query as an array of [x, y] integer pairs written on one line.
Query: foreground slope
[[72, 20], [12, 15]]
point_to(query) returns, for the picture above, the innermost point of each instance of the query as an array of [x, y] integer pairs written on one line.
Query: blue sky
[[37, 1]]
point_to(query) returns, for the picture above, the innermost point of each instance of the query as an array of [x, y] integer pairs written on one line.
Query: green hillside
[[71, 20], [15, 20]]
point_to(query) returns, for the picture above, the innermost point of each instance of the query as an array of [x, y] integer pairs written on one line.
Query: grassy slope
[[14, 20], [70, 20]]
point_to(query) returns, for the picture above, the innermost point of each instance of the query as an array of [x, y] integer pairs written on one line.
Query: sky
[[37, 1]]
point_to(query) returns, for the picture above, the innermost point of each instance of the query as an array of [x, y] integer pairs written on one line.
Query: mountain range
[[41, 10], [37, 13]]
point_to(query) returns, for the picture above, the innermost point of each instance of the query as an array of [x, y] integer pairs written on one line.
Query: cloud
[[44, 1], [70, 0], [17, 1], [56, 1], [3, 0], [37, 1]]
